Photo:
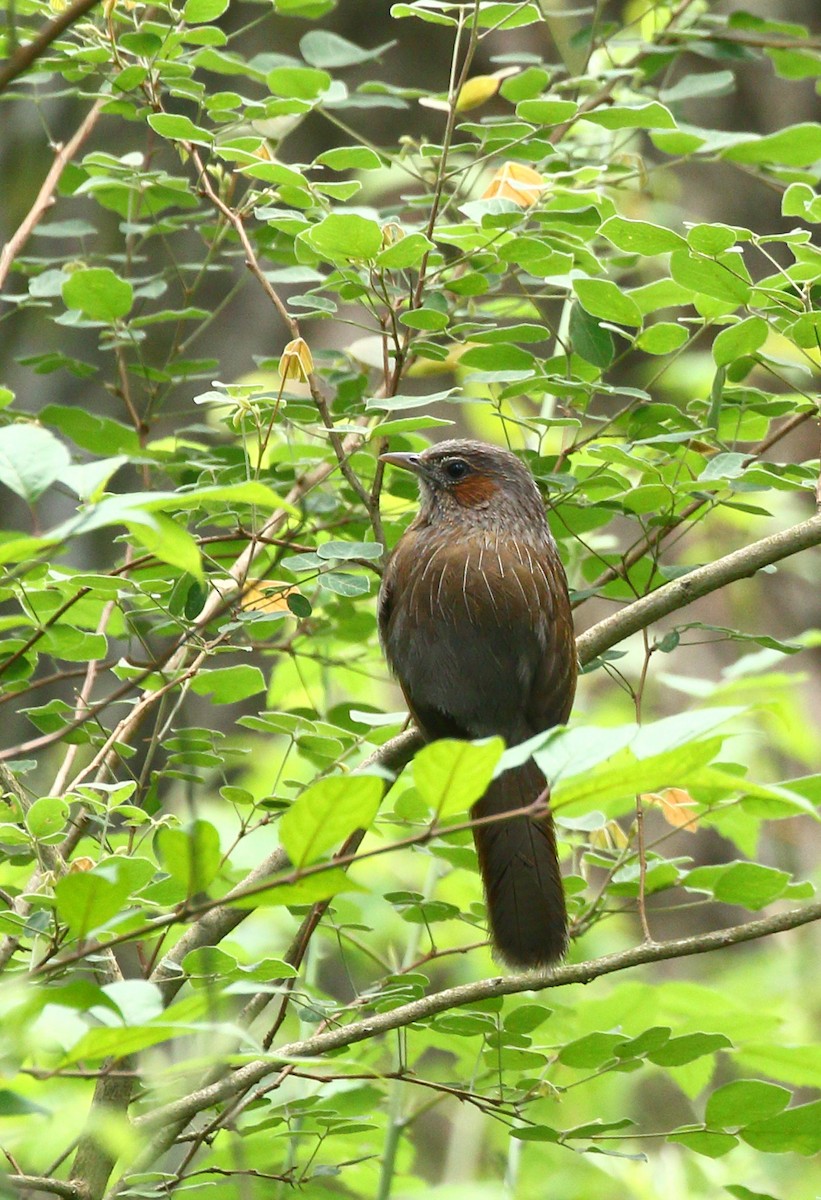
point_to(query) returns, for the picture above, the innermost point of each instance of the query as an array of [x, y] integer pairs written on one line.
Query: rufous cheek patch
[[475, 490]]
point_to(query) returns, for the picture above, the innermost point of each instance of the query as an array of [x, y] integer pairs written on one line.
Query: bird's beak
[[408, 462]]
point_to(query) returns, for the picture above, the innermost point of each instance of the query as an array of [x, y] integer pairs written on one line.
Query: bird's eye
[[456, 468]]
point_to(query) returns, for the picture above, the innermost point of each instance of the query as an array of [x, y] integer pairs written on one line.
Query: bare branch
[[45, 197], [696, 583], [213, 926], [44, 1183], [28, 54], [165, 1121]]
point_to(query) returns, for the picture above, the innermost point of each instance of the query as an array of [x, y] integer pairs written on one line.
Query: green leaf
[[680, 1050], [795, 146], [89, 479], [14, 1105], [711, 239], [335, 549], [99, 293], [450, 776], [391, 403], [165, 539], [118, 1042], [799, 1065], [407, 252], [796, 1130], [98, 434], [536, 1133], [623, 775], [708, 83], [343, 584], [342, 237], [546, 112], [527, 1017], [511, 15], [745, 1100], [723, 279], [640, 237], [351, 158], [209, 962], [310, 890], [191, 854], [751, 884], [298, 83], [643, 116], [179, 129], [594, 344], [433, 17], [649, 1039], [739, 340], [503, 357], [604, 299], [47, 816], [328, 812], [704, 1141], [425, 318], [85, 901], [229, 685], [31, 459], [321, 48], [591, 1051], [662, 338], [201, 11], [800, 200]]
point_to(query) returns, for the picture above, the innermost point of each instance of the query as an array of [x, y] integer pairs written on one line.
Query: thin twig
[[171, 1115], [654, 540], [43, 1183], [45, 197], [27, 55], [696, 583]]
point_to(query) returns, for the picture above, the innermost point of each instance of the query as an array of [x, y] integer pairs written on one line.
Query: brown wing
[[479, 633]]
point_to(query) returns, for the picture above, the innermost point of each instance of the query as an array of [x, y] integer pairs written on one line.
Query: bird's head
[[467, 482]]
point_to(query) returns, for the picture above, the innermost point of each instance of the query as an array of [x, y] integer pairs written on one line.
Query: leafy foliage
[[211, 926]]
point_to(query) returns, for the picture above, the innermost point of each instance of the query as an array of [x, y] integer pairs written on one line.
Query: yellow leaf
[[80, 864], [676, 807], [392, 232], [266, 595], [296, 361], [611, 836], [421, 368], [515, 182], [476, 91]]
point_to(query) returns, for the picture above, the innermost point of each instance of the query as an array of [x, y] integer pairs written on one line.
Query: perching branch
[[44, 1183], [695, 584], [213, 926], [163, 1121]]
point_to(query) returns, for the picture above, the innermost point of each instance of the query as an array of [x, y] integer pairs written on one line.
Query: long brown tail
[[520, 870]]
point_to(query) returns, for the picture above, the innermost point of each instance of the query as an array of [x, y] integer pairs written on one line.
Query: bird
[[475, 623]]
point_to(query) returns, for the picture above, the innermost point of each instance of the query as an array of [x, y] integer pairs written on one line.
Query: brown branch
[[696, 583], [395, 753], [235, 220], [652, 541], [45, 197], [28, 54], [164, 1120], [44, 1183], [604, 93], [41, 631]]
